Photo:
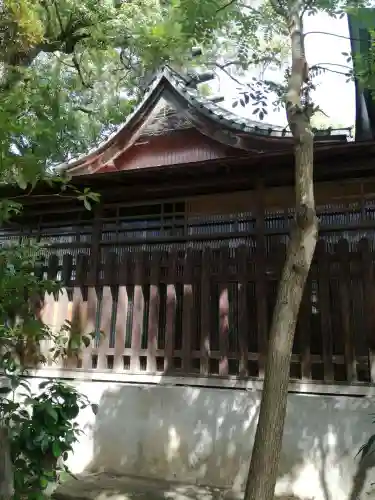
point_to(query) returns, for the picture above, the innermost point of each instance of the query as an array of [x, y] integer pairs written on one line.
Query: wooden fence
[[208, 311]]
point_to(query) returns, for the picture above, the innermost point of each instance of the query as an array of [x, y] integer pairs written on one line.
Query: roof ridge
[[203, 106], [234, 121]]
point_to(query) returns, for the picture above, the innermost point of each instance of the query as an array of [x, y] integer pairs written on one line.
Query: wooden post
[[91, 308], [170, 312], [95, 247], [205, 311], [154, 308], [121, 315], [324, 309], [223, 307], [106, 310], [260, 280], [187, 311], [79, 306], [367, 269], [243, 256], [304, 325], [345, 305], [138, 308]]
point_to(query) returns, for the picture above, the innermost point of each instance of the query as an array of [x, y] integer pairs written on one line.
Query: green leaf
[[75, 343], [52, 412], [56, 449], [25, 384], [95, 408], [86, 340], [21, 182], [16, 417], [44, 444], [87, 204], [44, 384]]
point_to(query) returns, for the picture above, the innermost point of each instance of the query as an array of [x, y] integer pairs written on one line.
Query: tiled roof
[[170, 103]]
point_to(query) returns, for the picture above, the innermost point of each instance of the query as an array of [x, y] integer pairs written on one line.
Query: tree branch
[[231, 2], [330, 70], [48, 30], [335, 35], [83, 109], [240, 4], [331, 64], [80, 74], [223, 68], [58, 16]]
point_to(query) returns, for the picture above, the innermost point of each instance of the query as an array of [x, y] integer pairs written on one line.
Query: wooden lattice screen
[[182, 294]]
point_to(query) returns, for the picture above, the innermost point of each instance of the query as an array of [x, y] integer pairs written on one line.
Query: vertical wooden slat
[[79, 306], [367, 269], [345, 306], [121, 315], [66, 308], [46, 311], [66, 278], [52, 302], [205, 311], [53, 266], [187, 311], [153, 318], [37, 300], [324, 309], [63, 305], [223, 307], [106, 310], [243, 256], [95, 291], [61, 311], [260, 281], [95, 247], [223, 329], [89, 329], [122, 308], [137, 316], [304, 324], [170, 312], [104, 327]]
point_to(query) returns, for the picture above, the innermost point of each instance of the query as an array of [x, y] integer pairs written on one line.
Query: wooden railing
[[208, 312]]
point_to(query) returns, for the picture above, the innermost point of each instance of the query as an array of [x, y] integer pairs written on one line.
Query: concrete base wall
[[204, 435]]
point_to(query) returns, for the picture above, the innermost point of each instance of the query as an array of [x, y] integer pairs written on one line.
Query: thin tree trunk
[[6, 468], [268, 439]]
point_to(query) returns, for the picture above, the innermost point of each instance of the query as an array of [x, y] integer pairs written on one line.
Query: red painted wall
[[186, 146]]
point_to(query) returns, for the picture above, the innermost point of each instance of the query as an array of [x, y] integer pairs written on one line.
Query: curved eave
[[208, 117], [131, 124]]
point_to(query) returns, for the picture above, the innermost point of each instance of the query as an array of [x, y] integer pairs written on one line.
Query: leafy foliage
[[71, 71], [41, 427], [43, 430], [267, 30]]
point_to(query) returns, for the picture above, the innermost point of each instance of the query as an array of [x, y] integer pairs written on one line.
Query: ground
[[104, 486]]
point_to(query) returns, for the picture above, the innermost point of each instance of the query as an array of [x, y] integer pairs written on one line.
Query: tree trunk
[[268, 438], [6, 469]]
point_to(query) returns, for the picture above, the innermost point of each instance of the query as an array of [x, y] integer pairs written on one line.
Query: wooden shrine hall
[[178, 264]]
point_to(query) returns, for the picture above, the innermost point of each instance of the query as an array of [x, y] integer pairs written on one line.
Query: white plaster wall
[[204, 435]]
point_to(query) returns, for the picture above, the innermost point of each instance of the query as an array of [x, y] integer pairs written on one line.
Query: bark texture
[[6, 468], [268, 439]]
